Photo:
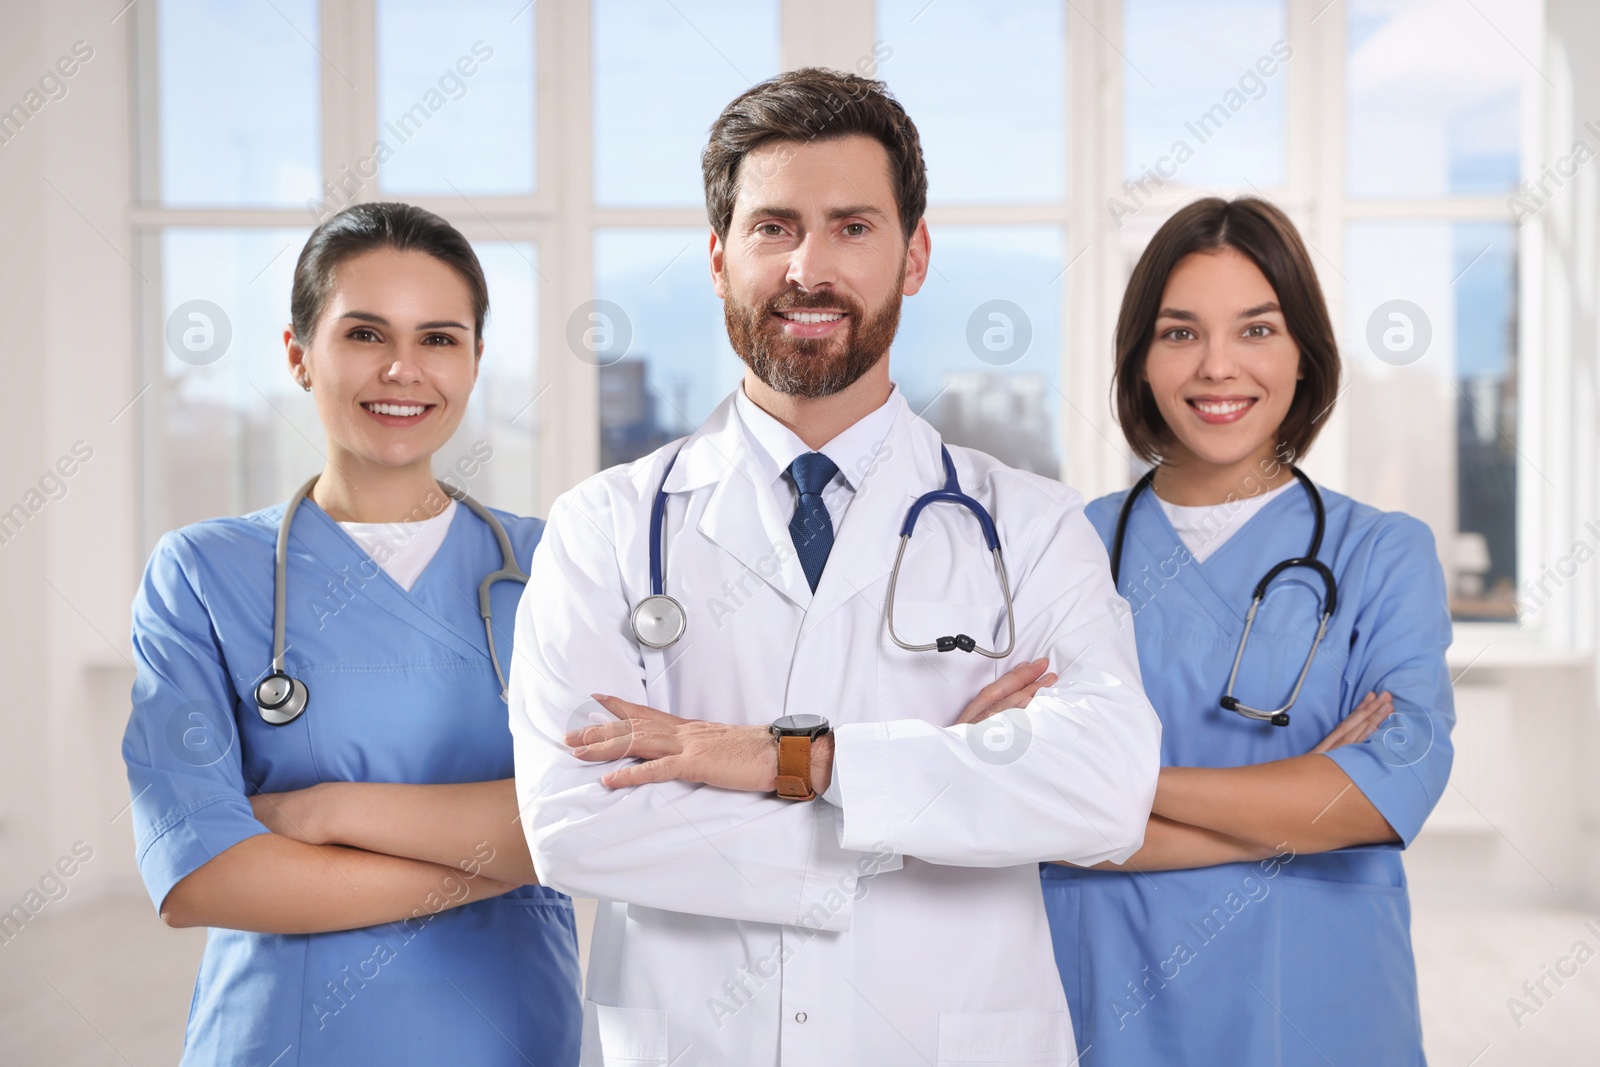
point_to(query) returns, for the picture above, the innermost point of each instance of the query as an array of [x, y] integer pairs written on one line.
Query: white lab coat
[[907, 927]]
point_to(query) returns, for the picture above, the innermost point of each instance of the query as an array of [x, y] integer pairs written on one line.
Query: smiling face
[[1222, 366], [392, 360], [814, 265]]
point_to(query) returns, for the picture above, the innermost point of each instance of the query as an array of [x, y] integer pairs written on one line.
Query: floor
[[108, 984]]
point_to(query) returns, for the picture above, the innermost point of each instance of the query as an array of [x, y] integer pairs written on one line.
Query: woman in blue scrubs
[[1265, 920], [332, 954]]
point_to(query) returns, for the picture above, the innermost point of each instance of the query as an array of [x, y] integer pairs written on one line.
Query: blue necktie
[[812, 527]]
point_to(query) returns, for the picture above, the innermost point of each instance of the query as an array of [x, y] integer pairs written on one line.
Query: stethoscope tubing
[[1277, 716], [950, 493], [510, 570]]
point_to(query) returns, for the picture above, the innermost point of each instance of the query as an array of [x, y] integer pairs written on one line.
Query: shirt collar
[[852, 451]]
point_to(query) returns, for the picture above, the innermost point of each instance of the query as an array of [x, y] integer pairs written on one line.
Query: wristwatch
[[795, 734]]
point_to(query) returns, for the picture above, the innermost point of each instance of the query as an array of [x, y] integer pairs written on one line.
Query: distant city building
[[630, 425], [1486, 490], [1005, 415]]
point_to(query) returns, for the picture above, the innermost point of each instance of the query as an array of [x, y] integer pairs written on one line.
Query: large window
[[1433, 160], [255, 126], [564, 139], [662, 72]]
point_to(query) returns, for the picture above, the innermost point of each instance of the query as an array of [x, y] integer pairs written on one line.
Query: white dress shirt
[[854, 451]]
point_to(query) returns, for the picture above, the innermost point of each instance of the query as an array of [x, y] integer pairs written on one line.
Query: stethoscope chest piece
[[281, 698], [658, 621]]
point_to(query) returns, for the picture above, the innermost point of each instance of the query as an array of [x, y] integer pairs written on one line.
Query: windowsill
[[1496, 646]]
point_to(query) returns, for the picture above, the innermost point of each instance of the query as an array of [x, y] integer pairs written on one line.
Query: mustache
[[794, 300]]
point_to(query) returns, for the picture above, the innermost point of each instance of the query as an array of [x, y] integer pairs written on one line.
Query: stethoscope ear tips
[[1281, 719], [280, 698]]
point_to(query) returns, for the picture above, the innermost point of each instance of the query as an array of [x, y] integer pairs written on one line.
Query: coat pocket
[[623, 1037], [1004, 1037]]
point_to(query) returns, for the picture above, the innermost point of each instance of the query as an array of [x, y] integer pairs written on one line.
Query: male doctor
[[804, 851]]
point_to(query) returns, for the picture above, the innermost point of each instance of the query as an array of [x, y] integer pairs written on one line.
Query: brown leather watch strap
[[794, 769]]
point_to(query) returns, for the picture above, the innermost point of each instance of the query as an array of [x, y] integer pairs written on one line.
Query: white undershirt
[[403, 549], [1206, 528]]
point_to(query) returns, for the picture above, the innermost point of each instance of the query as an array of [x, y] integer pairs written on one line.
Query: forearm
[[473, 826], [275, 885], [1173, 846], [1306, 803], [1078, 788]]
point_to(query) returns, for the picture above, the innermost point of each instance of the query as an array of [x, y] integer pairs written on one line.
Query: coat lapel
[[741, 518], [865, 543]]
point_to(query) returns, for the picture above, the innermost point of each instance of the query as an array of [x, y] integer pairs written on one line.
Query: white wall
[[67, 291]]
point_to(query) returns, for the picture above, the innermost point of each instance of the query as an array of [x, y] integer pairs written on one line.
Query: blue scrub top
[[401, 690], [1300, 959]]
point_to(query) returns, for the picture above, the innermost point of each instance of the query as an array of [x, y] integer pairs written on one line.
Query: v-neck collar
[[1295, 489], [1228, 606], [383, 591], [454, 508]]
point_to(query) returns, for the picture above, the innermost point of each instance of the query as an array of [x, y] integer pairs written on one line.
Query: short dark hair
[[1264, 234], [362, 228], [813, 104]]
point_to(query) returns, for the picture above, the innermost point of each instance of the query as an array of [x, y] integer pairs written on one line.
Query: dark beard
[[811, 367]]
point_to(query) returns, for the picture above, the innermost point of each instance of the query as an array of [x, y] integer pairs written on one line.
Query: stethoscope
[[659, 620], [280, 697], [1278, 716]]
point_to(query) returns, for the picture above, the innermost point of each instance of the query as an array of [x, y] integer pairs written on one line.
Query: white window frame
[[561, 218]]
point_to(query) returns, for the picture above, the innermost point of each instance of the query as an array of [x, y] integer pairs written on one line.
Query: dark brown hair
[[1264, 234], [362, 228], [813, 104]]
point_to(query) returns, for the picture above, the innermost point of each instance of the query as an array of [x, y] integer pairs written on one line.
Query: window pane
[[1434, 92], [665, 361], [240, 121], [492, 453], [997, 132], [1203, 91], [662, 74], [227, 431], [1431, 348], [979, 349], [455, 97]]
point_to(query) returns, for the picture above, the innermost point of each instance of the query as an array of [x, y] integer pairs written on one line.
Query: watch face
[[799, 724]]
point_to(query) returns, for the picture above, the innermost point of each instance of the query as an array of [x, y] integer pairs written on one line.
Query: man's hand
[[688, 750], [1013, 689], [744, 757]]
